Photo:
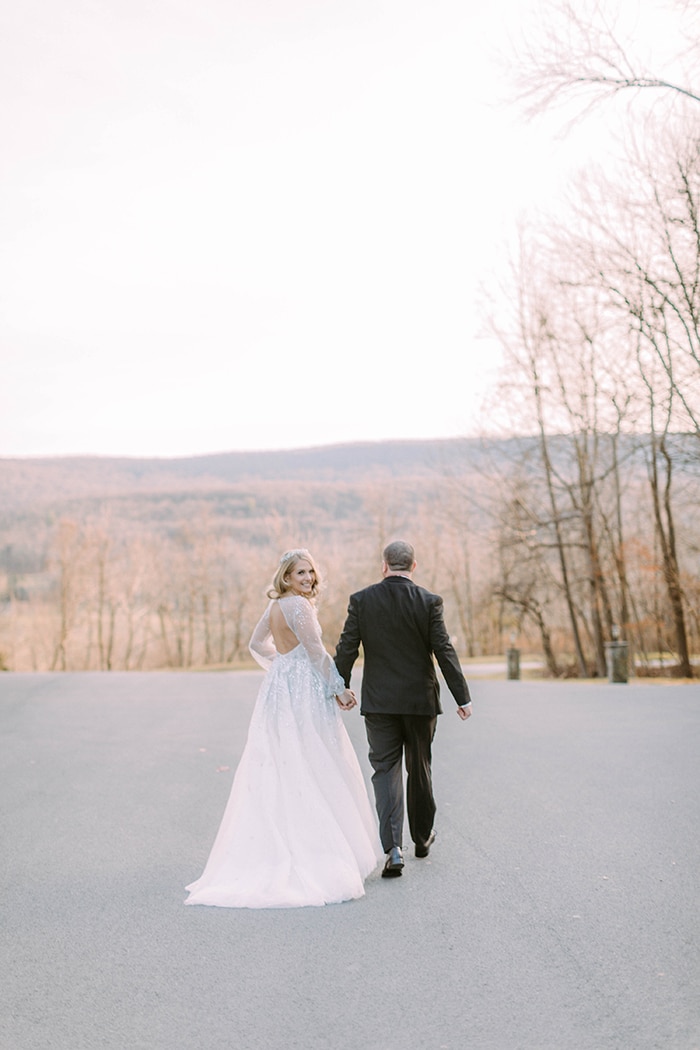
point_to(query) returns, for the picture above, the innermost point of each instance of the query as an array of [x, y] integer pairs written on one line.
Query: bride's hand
[[346, 701]]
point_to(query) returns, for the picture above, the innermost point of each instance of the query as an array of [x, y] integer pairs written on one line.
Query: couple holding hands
[[298, 828]]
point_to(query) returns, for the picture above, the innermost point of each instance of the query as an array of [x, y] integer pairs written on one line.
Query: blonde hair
[[280, 587]]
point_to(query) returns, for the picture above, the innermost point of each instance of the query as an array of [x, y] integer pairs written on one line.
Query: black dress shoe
[[424, 850], [394, 863]]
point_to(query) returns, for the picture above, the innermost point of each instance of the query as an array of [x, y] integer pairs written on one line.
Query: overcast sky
[[243, 224]]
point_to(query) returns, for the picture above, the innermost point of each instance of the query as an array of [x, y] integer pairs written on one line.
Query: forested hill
[[136, 563], [42, 481]]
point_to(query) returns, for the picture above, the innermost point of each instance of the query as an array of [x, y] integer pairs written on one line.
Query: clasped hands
[[347, 700]]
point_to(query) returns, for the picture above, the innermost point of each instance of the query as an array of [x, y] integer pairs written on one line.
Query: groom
[[401, 629]]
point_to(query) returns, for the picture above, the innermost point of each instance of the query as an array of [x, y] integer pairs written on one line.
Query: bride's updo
[[280, 587]]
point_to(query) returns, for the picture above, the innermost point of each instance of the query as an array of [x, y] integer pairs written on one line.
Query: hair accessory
[[300, 552]]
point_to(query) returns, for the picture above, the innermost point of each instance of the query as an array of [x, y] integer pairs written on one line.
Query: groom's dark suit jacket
[[402, 632]]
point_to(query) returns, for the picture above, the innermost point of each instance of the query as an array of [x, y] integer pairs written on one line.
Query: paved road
[[557, 911]]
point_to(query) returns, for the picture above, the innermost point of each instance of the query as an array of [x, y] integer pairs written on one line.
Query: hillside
[[317, 492], [321, 492], [36, 482], [46, 482]]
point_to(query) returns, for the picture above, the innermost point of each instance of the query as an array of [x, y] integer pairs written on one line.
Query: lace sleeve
[[261, 644], [301, 617]]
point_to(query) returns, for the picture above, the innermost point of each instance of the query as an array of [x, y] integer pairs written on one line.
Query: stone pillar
[[617, 657], [512, 664]]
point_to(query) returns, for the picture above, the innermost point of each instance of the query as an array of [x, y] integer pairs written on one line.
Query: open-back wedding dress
[[298, 828]]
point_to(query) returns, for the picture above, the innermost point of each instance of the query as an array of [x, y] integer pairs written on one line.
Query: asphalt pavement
[[558, 909]]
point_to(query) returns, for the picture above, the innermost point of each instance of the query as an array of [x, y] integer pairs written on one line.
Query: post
[[513, 664], [617, 658]]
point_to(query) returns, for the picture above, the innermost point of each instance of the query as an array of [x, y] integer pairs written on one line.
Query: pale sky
[[235, 224]]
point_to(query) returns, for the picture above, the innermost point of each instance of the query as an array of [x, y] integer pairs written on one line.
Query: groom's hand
[[464, 712]]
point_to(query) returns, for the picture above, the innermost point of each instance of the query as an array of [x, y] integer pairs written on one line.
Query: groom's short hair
[[399, 556]]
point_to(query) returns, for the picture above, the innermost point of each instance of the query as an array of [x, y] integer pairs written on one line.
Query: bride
[[298, 828]]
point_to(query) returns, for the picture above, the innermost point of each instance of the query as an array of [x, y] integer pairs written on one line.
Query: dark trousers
[[392, 738]]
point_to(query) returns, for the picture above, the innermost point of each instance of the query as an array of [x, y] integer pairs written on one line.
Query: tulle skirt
[[298, 828]]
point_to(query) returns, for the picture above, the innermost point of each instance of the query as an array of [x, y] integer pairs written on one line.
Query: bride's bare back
[[283, 636]]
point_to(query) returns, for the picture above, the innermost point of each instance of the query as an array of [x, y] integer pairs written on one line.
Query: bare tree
[[525, 582], [528, 348], [66, 556], [581, 53], [100, 551], [642, 250]]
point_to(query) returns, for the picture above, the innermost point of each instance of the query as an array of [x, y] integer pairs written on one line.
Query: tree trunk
[[667, 542], [568, 597]]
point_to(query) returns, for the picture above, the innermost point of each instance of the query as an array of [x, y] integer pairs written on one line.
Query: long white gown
[[299, 828]]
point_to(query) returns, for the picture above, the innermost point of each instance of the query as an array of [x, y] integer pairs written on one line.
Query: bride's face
[[301, 578]]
